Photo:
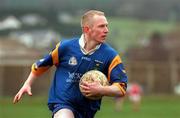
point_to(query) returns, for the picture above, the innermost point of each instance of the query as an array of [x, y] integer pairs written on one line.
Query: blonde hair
[[85, 19]]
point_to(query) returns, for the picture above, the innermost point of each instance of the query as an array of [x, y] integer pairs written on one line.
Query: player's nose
[[106, 30]]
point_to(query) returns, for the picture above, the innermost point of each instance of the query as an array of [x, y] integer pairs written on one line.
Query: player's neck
[[90, 45]]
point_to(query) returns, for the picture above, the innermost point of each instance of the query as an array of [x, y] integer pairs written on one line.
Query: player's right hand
[[23, 90]]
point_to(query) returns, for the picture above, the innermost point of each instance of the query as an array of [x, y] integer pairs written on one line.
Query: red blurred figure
[[134, 93]]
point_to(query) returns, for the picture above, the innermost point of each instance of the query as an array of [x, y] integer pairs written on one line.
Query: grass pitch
[[152, 107]]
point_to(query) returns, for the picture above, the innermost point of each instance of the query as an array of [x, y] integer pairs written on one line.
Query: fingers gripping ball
[[92, 76]]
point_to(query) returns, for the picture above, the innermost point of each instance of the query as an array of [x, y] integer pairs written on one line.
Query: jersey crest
[[72, 61]]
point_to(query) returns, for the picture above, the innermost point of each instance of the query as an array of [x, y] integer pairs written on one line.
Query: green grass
[[29, 107], [152, 107]]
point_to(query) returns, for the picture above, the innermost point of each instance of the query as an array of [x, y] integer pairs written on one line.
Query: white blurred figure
[[119, 101], [177, 89]]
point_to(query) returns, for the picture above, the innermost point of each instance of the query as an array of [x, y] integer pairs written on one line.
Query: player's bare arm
[[95, 88], [26, 88]]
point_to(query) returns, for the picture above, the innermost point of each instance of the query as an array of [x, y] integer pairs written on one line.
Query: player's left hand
[[91, 89]]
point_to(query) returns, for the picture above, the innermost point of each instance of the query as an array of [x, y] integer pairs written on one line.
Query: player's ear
[[85, 29]]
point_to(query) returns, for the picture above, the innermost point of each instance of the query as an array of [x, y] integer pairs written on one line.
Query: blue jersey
[[71, 63]]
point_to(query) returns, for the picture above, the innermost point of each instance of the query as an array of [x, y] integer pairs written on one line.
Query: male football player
[[72, 59]]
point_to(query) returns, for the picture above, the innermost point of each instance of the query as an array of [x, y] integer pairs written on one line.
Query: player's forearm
[[31, 78], [111, 91]]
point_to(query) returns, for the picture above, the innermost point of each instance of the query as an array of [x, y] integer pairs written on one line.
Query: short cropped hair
[[88, 15]]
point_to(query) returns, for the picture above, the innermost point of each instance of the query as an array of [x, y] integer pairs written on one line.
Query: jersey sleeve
[[45, 63], [117, 74]]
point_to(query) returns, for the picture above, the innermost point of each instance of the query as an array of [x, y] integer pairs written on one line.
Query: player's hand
[[23, 90], [91, 89]]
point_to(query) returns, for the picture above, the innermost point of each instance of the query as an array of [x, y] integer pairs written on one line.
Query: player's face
[[99, 30]]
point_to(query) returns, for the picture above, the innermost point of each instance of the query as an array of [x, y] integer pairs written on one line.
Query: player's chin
[[103, 39]]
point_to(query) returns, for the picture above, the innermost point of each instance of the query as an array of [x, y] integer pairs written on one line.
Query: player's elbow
[[121, 93], [120, 90]]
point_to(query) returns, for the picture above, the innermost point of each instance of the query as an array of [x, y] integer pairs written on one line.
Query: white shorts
[[135, 98]]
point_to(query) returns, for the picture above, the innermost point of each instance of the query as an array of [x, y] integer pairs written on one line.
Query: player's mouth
[[104, 36]]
